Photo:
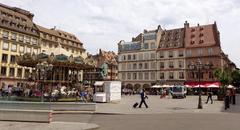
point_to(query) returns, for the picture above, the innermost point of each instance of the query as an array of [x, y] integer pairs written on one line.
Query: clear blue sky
[[103, 23]]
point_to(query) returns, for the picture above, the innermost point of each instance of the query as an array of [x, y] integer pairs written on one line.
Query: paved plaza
[[166, 105], [161, 114]]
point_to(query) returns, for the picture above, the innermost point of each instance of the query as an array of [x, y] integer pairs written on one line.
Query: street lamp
[[43, 69], [199, 66]]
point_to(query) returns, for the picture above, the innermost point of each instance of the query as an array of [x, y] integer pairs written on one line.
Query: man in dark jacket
[[143, 97], [209, 96]]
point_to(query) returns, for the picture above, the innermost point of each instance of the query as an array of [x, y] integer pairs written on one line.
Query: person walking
[[209, 96], [143, 97], [227, 100]]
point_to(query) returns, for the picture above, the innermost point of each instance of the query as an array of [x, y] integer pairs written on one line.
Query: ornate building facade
[[20, 35]]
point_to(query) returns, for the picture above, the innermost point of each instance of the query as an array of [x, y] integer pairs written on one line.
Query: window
[[123, 66], [128, 75], [210, 75], [146, 56], [171, 75], [129, 57], [200, 35], [145, 65], [134, 66], [3, 71], [192, 42], [161, 75], [12, 59], [192, 36], [200, 52], [146, 75], [145, 45], [152, 75], [161, 64], [161, 54], [4, 57], [140, 75], [5, 45], [19, 72], [34, 41], [135, 76], [210, 51], [152, 55], [153, 65], [140, 56], [20, 38], [21, 49], [123, 57], [170, 53], [153, 45], [201, 41], [14, 47], [72, 50], [189, 53], [140, 66], [129, 66], [27, 73], [180, 64], [5, 34], [171, 64], [134, 56], [14, 36], [11, 72], [27, 39], [28, 50], [181, 75], [180, 53]]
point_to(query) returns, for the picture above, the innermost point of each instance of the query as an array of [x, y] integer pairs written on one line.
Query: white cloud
[[102, 23]]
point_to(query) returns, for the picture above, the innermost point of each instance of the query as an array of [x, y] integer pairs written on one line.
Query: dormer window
[[192, 36], [201, 41], [193, 30], [192, 42]]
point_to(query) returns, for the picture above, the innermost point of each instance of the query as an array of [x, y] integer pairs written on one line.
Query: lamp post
[[199, 66], [43, 69]]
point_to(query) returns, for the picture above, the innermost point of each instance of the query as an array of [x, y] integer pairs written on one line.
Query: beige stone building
[[18, 35], [137, 60]]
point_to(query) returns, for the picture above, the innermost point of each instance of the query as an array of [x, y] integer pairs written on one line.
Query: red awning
[[203, 84]]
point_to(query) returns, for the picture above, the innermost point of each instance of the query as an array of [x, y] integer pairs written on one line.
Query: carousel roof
[[31, 60]]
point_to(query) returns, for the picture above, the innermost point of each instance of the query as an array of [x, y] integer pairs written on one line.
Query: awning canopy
[[230, 86], [98, 83], [203, 84], [156, 86]]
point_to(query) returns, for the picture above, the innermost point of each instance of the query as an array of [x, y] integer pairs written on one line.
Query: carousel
[[55, 74]]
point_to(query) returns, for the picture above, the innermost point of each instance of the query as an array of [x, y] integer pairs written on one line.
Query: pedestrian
[[234, 96], [209, 93], [227, 99], [143, 97]]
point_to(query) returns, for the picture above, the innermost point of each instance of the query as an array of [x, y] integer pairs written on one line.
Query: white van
[[179, 91]]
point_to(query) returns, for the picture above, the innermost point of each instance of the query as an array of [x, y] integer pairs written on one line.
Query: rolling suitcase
[[135, 105]]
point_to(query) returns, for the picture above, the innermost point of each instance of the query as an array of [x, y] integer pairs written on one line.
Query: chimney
[[198, 24], [186, 24]]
